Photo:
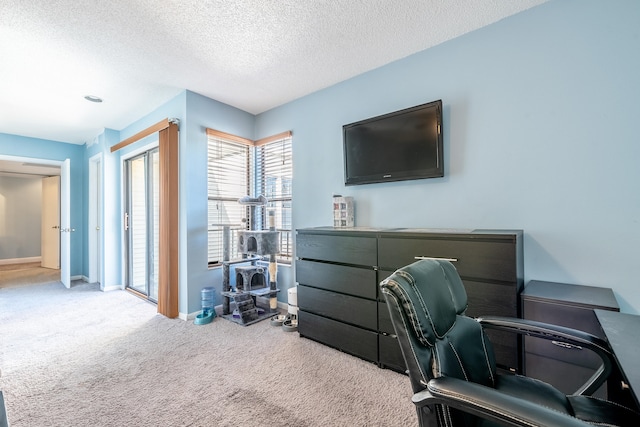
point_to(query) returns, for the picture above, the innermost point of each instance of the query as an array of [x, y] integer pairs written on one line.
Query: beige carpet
[[12, 275], [19, 266], [80, 357]]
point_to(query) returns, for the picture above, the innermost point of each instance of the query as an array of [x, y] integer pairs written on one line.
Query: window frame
[[253, 217]]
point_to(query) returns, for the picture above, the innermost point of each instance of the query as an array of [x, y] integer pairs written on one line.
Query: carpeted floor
[[81, 357], [19, 266], [12, 275]]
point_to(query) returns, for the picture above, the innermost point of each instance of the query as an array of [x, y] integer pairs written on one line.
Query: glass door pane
[[142, 213], [154, 172], [138, 225]]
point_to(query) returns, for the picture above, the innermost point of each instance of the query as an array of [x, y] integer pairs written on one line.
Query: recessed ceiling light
[[93, 98]]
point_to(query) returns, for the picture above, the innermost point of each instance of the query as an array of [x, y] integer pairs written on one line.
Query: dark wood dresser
[[338, 271]]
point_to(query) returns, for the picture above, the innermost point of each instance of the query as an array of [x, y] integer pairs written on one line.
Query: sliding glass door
[[141, 223]]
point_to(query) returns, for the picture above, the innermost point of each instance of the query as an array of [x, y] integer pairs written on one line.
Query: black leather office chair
[[452, 367]]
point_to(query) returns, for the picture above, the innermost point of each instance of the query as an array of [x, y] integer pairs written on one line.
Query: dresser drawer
[[557, 313], [478, 259], [566, 377], [559, 351], [356, 250], [348, 338], [354, 281], [391, 354], [581, 318], [345, 308], [505, 347], [491, 299], [384, 319]]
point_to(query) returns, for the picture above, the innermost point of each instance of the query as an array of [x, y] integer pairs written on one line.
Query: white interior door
[[95, 223], [50, 229], [65, 223]]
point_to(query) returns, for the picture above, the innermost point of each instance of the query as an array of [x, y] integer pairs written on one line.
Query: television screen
[[402, 145]]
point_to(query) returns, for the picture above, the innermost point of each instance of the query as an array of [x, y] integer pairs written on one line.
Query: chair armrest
[[562, 336], [488, 403]]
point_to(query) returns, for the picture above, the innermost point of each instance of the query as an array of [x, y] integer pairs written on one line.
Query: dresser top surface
[[410, 231], [580, 295]]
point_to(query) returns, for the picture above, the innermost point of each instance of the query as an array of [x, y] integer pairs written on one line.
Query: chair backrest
[[427, 301]]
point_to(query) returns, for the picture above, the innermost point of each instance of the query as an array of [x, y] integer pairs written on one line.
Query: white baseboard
[[187, 317], [20, 260]]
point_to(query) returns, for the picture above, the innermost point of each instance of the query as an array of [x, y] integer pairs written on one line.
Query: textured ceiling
[[16, 169], [251, 54]]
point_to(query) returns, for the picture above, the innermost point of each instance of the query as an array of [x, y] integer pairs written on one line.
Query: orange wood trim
[[228, 136], [272, 138], [138, 136], [169, 220]]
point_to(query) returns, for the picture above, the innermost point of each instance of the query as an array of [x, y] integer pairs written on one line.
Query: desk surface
[[621, 330]]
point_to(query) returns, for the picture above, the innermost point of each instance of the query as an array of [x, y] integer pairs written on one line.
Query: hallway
[[14, 275]]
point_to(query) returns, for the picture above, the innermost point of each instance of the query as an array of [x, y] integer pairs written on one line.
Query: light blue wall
[[20, 217], [202, 113], [540, 133], [111, 189], [196, 113], [112, 185]]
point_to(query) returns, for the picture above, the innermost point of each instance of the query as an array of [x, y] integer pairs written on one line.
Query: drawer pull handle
[[566, 345], [436, 258]]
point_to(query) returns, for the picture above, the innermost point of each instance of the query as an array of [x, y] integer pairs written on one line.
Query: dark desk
[[621, 330], [4, 420]]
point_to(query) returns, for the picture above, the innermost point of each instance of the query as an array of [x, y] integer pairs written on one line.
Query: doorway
[[141, 223], [34, 166]]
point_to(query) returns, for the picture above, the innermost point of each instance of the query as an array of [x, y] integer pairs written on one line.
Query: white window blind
[[228, 180], [274, 178]]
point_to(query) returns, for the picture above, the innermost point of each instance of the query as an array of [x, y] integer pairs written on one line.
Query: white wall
[[20, 217], [540, 133]]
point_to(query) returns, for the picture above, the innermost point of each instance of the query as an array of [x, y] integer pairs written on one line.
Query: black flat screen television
[[402, 145]]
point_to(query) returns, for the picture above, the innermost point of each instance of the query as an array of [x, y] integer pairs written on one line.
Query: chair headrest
[[458, 293], [431, 295]]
